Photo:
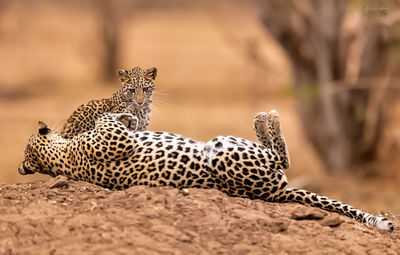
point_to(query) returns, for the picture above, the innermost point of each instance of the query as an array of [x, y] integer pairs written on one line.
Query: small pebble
[[331, 221], [185, 192], [308, 213]]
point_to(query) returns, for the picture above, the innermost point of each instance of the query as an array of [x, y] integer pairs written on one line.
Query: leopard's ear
[[151, 73], [123, 75], [43, 129]]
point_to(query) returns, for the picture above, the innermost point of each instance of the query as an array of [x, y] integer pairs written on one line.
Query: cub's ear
[[123, 75], [151, 73], [43, 129]]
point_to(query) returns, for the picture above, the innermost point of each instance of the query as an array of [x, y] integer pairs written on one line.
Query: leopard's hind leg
[[268, 131]]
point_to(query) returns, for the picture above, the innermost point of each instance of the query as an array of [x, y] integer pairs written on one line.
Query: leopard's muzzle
[[22, 170]]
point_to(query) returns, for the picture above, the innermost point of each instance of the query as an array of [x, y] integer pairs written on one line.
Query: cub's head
[[35, 152], [137, 85]]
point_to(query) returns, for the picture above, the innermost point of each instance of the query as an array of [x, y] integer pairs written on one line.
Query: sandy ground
[[60, 216]]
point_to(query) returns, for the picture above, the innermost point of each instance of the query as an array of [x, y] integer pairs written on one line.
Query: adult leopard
[[135, 97], [115, 155]]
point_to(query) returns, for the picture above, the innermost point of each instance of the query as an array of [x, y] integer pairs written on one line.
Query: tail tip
[[385, 225]]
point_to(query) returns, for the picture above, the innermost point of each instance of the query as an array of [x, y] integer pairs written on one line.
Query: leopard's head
[[137, 86], [35, 152]]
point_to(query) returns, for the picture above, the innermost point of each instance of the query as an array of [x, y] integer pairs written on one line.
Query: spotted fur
[[134, 97], [116, 155]]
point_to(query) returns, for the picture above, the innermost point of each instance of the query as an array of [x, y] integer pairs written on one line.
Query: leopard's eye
[[145, 89], [131, 91]]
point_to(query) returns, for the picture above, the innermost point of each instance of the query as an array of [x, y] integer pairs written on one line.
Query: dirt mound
[[60, 216]]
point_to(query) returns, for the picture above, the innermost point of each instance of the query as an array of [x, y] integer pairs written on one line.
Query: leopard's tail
[[308, 198]]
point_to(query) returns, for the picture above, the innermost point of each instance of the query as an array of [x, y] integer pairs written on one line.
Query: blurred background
[[330, 68]]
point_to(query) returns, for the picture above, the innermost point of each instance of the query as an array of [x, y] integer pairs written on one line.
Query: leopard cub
[[134, 97]]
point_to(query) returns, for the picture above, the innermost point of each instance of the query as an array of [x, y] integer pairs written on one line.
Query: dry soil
[[61, 216]]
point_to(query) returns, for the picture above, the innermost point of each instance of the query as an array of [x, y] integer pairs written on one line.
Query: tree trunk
[[334, 53], [110, 38]]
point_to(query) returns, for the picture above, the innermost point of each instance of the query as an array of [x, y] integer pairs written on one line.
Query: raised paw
[[260, 126], [274, 122], [260, 122], [264, 122], [128, 120]]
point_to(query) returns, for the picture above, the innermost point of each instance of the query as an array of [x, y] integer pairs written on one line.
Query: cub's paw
[[128, 120]]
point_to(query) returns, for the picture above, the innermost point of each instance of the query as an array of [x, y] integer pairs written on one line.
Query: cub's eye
[[131, 91], [145, 89]]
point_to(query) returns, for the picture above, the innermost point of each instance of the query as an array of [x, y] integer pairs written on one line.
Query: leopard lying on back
[[134, 97], [115, 155]]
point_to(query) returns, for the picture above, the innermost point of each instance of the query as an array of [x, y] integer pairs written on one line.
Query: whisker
[[163, 103], [162, 90], [160, 96], [160, 93], [157, 112]]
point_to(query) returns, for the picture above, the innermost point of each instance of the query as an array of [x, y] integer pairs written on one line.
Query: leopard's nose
[[22, 170]]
